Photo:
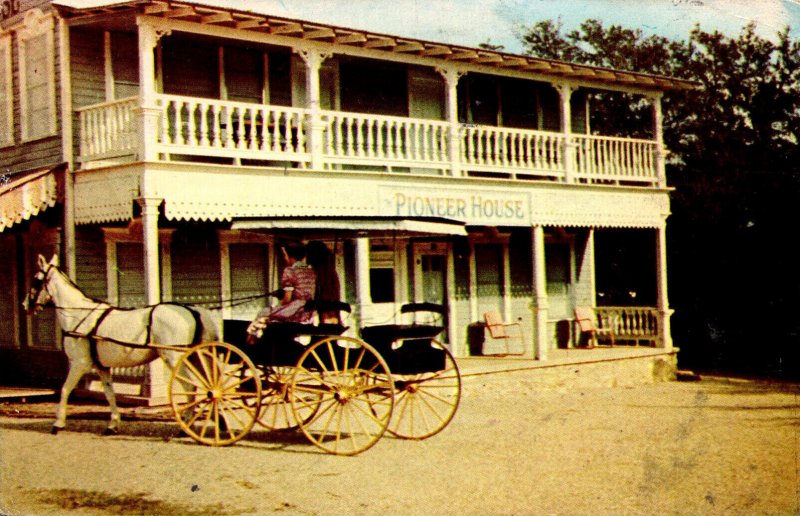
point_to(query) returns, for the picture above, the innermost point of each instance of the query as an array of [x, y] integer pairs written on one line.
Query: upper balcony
[[190, 83], [238, 133]]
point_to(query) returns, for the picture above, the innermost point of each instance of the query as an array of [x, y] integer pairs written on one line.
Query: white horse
[[99, 336]]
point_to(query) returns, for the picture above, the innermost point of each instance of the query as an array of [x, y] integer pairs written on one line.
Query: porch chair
[[587, 324], [499, 330]]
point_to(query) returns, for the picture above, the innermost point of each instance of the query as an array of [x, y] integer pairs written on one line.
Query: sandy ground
[[709, 447]]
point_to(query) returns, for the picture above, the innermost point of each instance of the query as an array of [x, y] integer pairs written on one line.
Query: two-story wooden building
[[164, 148]]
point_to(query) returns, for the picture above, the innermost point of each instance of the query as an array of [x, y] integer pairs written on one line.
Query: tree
[[734, 158]]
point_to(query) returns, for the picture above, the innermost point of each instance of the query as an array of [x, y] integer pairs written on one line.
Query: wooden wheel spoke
[[203, 381], [332, 354], [208, 369]]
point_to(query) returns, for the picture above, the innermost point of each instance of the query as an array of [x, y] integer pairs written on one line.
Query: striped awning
[[27, 194]]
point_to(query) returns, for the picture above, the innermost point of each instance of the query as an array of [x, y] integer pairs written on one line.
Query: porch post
[[67, 149], [451, 77], [540, 304], [664, 311], [569, 147], [148, 112], [658, 136], [316, 128], [152, 278], [362, 277]]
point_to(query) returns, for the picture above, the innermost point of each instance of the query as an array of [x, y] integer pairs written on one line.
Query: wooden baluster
[[379, 139]]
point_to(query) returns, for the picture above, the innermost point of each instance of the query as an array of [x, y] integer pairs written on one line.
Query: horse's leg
[[77, 368], [113, 424]]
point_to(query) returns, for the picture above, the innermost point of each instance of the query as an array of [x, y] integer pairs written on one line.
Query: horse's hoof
[[54, 430], [110, 431]]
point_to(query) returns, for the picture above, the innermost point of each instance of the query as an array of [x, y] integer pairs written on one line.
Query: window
[[244, 74], [381, 273], [6, 93], [37, 76]]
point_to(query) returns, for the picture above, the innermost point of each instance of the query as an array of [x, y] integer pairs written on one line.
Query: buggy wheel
[[425, 402], [215, 393], [352, 388], [276, 405]]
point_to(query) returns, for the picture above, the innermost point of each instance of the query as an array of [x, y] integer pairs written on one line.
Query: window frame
[[7, 78], [37, 24]]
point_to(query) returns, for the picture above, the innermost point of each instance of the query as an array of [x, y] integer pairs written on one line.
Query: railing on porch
[[206, 127], [514, 151], [614, 160], [108, 130], [195, 128], [353, 138], [630, 323]]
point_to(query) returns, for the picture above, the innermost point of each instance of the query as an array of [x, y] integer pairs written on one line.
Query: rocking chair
[[587, 324], [499, 330]]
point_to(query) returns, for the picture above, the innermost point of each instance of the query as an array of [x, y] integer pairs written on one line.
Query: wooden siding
[[88, 81]]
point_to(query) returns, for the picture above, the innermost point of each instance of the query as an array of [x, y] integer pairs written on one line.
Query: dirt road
[[710, 447]]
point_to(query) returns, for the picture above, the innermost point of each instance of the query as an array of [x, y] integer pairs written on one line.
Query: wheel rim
[[215, 393], [276, 405], [425, 403], [352, 386]]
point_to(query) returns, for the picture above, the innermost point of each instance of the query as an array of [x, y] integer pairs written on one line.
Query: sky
[[472, 22]]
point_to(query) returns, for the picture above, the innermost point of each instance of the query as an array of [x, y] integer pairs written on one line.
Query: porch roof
[[27, 194], [353, 227], [216, 13]]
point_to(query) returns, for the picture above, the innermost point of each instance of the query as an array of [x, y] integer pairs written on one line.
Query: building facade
[[166, 150]]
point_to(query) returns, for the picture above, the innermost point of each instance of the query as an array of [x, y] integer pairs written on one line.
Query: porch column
[[658, 136], [316, 128], [67, 149], [451, 78], [664, 311], [540, 305], [152, 278], [147, 112], [569, 148], [363, 297]]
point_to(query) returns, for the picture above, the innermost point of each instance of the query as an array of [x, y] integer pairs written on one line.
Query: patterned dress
[[299, 279]]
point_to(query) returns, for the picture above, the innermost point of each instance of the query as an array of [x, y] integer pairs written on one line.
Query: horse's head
[[38, 296]]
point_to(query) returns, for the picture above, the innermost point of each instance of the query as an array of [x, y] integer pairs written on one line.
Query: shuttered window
[[37, 78], [250, 274], [195, 268], [130, 275], [6, 93]]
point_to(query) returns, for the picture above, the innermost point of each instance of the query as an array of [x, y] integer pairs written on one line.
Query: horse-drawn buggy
[[342, 388]]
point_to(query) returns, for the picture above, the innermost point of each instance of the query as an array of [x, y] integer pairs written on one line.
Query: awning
[[353, 227], [25, 195]]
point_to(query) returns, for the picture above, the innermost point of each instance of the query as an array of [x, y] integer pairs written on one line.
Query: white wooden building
[[164, 148]]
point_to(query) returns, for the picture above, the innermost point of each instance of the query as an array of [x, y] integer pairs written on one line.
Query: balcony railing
[[108, 130], [195, 129]]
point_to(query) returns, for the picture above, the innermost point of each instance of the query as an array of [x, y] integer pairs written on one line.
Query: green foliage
[[735, 165]]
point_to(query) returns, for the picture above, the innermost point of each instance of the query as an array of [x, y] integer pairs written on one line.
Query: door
[[558, 260], [431, 277]]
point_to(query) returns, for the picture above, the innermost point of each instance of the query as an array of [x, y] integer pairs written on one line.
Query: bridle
[[39, 284]]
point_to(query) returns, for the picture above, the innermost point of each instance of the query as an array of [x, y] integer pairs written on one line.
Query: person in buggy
[[310, 274], [298, 286]]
